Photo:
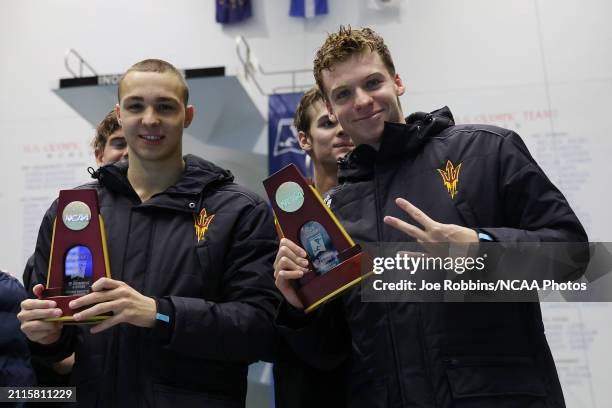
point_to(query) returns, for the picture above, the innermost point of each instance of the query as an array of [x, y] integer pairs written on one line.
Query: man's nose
[[149, 117], [362, 98]]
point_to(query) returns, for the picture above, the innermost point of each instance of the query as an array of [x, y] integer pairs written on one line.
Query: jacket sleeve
[[238, 327], [38, 274], [15, 367], [535, 211], [320, 339]]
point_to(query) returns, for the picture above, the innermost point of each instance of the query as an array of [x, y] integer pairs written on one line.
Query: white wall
[[542, 67]]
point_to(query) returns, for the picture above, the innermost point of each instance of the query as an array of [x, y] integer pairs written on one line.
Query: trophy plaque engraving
[[78, 252], [334, 260]]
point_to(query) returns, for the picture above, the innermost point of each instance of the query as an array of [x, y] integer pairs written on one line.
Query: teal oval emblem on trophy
[[289, 196], [76, 215]]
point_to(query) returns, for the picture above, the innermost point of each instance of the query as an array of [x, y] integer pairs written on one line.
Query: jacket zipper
[[421, 334], [398, 369]]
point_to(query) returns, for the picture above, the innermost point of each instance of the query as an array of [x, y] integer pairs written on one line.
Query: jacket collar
[[398, 140], [197, 175]]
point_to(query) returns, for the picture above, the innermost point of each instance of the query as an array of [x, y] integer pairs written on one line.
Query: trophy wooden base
[[331, 284], [67, 313]]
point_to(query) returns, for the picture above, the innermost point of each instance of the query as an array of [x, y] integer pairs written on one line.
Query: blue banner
[[232, 11], [283, 145], [307, 8]]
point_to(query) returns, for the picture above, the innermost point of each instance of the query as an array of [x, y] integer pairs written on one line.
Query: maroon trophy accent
[[334, 260], [78, 252]]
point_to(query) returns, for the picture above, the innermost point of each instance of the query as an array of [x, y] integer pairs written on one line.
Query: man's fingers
[[298, 257], [415, 232], [31, 304], [42, 332], [283, 281], [38, 290], [97, 309], [295, 248], [37, 314], [290, 264], [283, 252], [95, 297], [105, 284], [39, 326], [104, 290], [416, 214], [290, 274]]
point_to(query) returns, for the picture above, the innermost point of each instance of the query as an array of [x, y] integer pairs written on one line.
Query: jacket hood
[[398, 139], [198, 173]]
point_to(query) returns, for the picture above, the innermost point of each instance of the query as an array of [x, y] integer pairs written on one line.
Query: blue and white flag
[[283, 145], [232, 11], [308, 8]]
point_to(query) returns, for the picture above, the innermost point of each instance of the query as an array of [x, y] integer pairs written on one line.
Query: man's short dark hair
[[107, 127], [159, 66], [302, 119]]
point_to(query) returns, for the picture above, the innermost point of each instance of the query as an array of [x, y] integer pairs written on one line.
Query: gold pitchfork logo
[[202, 221], [450, 177]]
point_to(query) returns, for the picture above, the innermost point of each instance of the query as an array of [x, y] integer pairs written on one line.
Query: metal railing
[[82, 63], [251, 68]]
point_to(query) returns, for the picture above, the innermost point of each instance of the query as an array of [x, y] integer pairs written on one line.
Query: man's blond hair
[[340, 46]]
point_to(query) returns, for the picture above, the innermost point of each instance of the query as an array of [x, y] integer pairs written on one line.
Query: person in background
[[109, 143], [296, 383], [322, 138], [15, 367]]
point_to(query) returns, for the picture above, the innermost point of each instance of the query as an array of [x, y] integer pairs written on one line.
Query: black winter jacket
[[441, 354], [218, 290], [15, 367]]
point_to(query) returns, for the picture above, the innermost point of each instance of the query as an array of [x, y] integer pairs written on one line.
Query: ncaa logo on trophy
[[79, 253]]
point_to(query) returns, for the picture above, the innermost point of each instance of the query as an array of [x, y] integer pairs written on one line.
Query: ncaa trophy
[[334, 260], [78, 254]]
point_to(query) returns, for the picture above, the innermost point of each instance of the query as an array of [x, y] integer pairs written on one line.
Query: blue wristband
[[482, 237], [162, 317]]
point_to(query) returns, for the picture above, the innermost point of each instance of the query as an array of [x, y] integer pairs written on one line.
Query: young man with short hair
[[296, 383], [458, 184], [109, 144], [322, 138], [191, 293]]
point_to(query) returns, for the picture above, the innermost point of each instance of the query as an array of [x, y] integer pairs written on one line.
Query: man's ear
[[189, 112], [399, 85], [304, 141], [118, 113], [99, 153]]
